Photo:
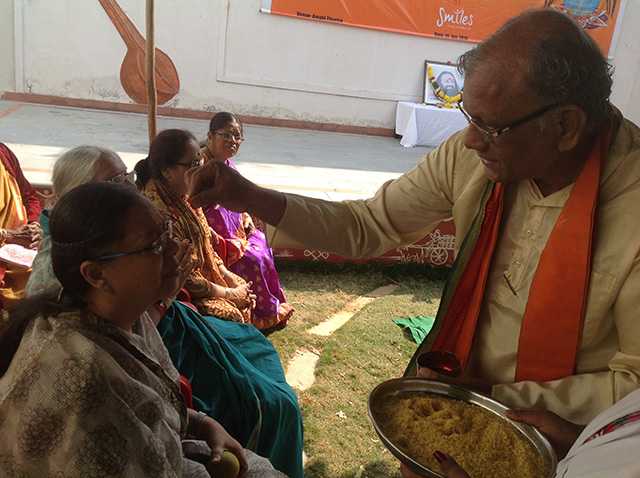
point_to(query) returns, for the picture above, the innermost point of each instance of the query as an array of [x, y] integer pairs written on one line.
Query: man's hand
[[28, 235], [215, 182], [561, 433]]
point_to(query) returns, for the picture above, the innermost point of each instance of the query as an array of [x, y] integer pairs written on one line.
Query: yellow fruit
[[227, 467]]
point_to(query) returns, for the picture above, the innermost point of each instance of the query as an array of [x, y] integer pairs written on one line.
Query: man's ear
[[92, 273], [573, 120]]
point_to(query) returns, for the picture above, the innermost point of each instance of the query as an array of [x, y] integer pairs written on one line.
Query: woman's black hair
[[166, 149], [222, 119], [84, 224]]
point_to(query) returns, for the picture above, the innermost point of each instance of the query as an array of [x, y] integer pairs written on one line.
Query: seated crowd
[[540, 307]]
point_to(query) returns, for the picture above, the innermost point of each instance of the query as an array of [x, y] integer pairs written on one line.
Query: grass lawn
[[340, 441]]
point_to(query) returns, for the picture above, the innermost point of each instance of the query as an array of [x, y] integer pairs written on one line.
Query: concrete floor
[[320, 164]]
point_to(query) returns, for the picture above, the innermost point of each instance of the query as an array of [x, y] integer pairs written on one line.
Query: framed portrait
[[442, 81]]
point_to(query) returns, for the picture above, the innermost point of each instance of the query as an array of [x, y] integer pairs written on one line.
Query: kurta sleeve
[[402, 211]]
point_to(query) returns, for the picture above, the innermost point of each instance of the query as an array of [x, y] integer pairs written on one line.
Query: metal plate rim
[[415, 384]]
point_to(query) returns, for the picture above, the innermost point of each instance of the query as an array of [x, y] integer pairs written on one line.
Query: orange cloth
[[13, 279]]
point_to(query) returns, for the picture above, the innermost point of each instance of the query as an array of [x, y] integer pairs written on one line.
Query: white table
[[426, 125]]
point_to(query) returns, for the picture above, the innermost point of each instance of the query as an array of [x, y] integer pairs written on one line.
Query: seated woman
[[247, 253], [235, 372], [19, 210], [86, 385], [213, 288]]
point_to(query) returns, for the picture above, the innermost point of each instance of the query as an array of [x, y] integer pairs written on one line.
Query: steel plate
[[403, 385]]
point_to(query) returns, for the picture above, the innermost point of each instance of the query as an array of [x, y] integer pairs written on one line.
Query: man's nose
[[474, 139]]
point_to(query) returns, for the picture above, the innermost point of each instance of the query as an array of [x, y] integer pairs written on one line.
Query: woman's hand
[[219, 440], [247, 224], [186, 262], [561, 433], [242, 296], [27, 235], [447, 464], [231, 279]]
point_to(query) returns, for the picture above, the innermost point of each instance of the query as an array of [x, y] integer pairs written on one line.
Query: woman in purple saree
[[244, 249]]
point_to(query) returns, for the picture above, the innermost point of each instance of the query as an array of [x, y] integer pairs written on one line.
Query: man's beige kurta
[[447, 183]]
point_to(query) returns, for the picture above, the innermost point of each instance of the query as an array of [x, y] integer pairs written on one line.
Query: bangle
[[162, 306], [227, 293], [226, 273], [194, 424]]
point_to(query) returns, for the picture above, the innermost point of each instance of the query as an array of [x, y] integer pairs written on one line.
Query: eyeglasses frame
[[228, 136], [130, 175], [157, 246], [195, 163], [490, 136]]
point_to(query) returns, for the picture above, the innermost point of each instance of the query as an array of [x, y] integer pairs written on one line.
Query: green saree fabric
[[237, 378]]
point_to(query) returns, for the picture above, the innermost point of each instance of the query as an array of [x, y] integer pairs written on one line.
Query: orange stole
[[552, 324]]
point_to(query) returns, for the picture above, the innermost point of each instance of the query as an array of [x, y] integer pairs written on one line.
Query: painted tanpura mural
[[132, 71]]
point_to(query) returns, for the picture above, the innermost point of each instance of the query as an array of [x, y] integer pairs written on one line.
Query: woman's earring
[[107, 287]]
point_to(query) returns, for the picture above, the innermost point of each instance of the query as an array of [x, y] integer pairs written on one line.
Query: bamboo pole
[[152, 95]]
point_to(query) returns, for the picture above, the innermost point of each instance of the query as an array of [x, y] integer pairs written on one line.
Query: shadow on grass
[[320, 469], [394, 272]]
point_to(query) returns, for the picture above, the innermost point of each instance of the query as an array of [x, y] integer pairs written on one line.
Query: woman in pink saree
[[244, 249]]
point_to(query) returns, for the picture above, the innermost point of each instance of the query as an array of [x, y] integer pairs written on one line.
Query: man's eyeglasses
[[157, 247], [228, 136], [121, 177], [194, 163], [490, 135]]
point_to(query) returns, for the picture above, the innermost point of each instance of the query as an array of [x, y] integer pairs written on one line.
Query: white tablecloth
[[426, 125]]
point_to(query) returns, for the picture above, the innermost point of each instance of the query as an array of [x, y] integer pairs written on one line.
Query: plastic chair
[[185, 389]]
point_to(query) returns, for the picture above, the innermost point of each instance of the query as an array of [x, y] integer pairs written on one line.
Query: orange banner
[[462, 20]]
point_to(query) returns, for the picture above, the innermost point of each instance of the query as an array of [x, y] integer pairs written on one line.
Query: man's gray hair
[[560, 61]]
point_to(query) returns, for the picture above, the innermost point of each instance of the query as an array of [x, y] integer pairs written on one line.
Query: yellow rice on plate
[[484, 444]]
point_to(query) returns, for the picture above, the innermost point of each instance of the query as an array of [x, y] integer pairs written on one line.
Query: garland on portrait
[[447, 101]]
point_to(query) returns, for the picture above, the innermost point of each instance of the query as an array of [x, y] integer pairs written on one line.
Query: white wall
[[232, 57]]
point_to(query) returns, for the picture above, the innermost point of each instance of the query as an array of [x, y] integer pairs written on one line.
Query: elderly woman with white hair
[[86, 163], [235, 372]]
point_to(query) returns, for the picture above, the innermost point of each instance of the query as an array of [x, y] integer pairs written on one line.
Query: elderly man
[[19, 212], [542, 304]]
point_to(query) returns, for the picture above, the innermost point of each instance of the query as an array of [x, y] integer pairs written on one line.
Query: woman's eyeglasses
[[121, 177], [157, 247], [228, 136], [193, 164]]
